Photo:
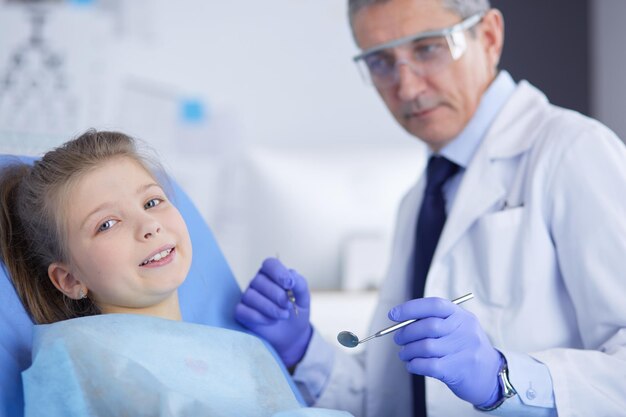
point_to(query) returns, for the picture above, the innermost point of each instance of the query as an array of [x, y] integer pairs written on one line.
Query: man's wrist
[[504, 389]]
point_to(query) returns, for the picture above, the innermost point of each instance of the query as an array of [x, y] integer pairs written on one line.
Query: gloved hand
[[449, 344], [265, 309]]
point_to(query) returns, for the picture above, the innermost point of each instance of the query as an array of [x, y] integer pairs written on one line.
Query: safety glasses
[[427, 52]]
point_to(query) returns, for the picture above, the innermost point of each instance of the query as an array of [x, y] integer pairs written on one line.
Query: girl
[[97, 251], [88, 229]]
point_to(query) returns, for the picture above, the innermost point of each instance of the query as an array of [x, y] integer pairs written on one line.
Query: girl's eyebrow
[[145, 187]]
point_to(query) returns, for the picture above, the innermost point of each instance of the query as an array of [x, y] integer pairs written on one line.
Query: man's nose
[[410, 82]]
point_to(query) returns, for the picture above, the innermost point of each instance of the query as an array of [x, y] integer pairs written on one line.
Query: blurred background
[[256, 109]]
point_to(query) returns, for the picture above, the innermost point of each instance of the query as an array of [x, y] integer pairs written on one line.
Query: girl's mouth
[[160, 258]]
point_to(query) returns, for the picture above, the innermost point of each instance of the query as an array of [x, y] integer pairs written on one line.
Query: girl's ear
[[65, 282]]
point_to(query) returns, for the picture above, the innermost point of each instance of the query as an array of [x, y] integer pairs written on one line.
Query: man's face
[[434, 107]]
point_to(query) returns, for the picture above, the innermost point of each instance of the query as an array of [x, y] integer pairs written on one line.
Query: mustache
[[419, 104]]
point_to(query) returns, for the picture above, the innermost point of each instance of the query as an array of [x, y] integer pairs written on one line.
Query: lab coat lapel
[[479, 191], [483, 185]]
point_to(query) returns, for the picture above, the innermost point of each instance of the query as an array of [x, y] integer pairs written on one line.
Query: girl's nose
[[149, 228], [148, 235]]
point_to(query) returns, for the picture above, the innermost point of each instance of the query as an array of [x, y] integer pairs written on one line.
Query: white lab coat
[[538, 232]]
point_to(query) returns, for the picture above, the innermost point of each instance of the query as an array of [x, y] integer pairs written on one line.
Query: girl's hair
[[32, 227]]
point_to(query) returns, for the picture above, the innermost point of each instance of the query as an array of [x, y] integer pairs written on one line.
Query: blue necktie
[[432, 217]]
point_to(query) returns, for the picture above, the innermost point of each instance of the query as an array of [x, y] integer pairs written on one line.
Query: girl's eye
[[106, 225], [152, 203]]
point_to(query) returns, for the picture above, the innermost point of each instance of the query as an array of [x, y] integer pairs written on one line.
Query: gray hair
[[463, 8]]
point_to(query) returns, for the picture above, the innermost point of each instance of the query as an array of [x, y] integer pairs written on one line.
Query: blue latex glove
[[265, 309], [449, 344]]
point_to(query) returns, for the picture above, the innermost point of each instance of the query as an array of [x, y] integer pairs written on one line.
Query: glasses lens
[[423, 53], [431, 51], [424, 56], [380, 65]]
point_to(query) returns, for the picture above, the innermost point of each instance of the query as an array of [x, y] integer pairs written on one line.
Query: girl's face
[[129, 246]]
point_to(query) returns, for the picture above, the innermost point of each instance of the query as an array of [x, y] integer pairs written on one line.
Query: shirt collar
[[462, 148]]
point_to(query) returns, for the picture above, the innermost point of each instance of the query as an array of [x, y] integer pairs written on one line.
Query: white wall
[[281, 70], [275, 76]]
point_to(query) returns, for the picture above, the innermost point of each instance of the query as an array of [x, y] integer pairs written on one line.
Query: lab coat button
[[531, 394]]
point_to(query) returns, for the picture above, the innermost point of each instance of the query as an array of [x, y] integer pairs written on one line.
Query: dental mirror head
[[348, 339]]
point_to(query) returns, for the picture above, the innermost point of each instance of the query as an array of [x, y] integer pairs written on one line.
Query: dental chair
[[208, 296]]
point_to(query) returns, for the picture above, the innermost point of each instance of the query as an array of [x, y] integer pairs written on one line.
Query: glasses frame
[[453, 34]]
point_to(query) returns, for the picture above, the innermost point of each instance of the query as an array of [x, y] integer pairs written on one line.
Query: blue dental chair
[[208, 296]]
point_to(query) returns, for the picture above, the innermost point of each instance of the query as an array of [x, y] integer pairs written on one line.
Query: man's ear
[[493, 32], [64, 281]]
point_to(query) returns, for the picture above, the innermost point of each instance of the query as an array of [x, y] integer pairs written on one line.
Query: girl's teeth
[[158, 256]]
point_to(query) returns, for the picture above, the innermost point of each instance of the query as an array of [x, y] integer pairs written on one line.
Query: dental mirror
[[349, 339]]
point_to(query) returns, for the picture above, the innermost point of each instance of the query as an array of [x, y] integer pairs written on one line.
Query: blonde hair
[[32, 231]]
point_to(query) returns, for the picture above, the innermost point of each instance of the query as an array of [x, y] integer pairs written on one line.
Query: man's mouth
[[420, 112], [422, 107]]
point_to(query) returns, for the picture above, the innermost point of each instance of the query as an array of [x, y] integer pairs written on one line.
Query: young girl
[[88, 231]]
